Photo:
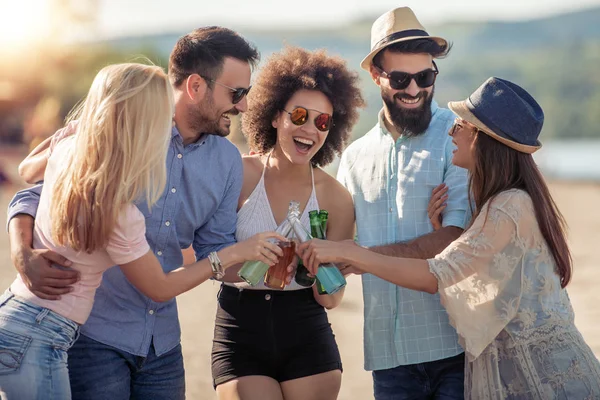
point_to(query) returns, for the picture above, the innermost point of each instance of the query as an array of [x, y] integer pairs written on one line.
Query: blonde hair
[[119, 157]]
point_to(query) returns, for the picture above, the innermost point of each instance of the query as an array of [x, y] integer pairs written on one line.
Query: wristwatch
[[215, 265]]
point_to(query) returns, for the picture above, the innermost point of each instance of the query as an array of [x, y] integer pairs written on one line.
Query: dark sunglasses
[[299, 116], [237, 94], [400, 80]]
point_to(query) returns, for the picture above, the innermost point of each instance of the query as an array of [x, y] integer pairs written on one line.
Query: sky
[[22, 20], [120, 17]]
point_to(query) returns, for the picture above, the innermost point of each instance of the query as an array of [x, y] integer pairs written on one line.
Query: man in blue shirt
[[390, 172], [130, 345]]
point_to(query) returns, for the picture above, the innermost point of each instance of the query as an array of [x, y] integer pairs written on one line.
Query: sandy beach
[[577, 201]]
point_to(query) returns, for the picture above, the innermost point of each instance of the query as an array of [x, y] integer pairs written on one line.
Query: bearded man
[[391, 172]]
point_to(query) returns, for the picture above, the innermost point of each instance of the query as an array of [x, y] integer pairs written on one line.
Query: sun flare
[[22, 22]]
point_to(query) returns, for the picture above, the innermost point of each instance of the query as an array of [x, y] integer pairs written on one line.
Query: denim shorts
[[33, 350], [284, 335]]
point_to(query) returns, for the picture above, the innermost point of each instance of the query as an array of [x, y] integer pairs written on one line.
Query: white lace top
[[255, 216], [499, 285]]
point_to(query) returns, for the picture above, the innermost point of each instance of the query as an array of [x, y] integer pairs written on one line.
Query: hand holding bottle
[[260, 247], [315, 252], [327, 274], [278, 276], [254, 270]]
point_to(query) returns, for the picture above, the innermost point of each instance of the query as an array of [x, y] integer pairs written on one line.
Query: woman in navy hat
[[503, 281]]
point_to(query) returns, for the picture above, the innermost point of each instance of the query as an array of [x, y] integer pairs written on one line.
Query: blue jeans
[[33, 351], [435, 380], [102, 372]]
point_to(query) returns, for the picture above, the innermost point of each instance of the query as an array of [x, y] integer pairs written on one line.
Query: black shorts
[[279, 334]]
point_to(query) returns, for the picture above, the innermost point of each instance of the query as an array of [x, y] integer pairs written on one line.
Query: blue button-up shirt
[[197, 208], [391, 183]]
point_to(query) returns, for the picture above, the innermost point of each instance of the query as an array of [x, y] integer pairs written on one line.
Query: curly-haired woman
[[275, 344]]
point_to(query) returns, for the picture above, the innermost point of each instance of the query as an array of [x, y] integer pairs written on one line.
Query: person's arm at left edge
[[453, 217], [32, 168], [35, 265], [219, 231], [338, 202]]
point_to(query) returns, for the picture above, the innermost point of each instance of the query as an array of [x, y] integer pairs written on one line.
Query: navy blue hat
[[504, 111]]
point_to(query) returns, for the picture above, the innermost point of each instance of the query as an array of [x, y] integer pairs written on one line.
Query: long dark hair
[[499, 168]]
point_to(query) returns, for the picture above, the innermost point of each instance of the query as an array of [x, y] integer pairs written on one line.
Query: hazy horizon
[[28, 19]]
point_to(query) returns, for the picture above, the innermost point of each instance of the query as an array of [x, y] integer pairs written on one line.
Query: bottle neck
[[316, 230], [300, 231]]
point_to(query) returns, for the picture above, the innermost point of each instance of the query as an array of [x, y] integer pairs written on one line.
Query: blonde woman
[[87, 214]]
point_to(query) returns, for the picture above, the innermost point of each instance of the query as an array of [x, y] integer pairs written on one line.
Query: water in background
[[558, 160], [573, 160]]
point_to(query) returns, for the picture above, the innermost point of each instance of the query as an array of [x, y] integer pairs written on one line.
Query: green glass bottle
[[318, 231], [302, 276], [323, 215], [328, 274]]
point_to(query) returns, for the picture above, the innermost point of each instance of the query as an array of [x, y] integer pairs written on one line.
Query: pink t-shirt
[[127, 243]]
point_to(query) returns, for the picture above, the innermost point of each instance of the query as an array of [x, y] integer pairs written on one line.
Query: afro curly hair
[[289, 71]]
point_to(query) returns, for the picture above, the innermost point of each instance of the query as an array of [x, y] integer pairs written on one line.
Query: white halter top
[[255, 216]]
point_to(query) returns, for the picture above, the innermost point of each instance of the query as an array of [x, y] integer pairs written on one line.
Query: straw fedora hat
[[398, 25], [504, 111]]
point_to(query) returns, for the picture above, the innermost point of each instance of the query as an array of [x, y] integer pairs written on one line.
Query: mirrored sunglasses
[[299, 116]]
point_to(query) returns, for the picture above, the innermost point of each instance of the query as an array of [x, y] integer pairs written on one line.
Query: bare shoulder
[[332, 195], [253, 166]]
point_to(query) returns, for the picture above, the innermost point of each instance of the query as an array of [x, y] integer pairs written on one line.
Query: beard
[[410, 122], [205, 119]]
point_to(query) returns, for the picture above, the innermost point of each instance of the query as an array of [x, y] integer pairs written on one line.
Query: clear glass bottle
[[254, 271], [302, 275], [327, 274]]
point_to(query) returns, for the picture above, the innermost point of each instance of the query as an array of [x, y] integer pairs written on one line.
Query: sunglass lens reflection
[[322, 122], [299, 116]]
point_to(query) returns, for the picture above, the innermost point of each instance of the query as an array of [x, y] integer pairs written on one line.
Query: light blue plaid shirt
[[391, 184]]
